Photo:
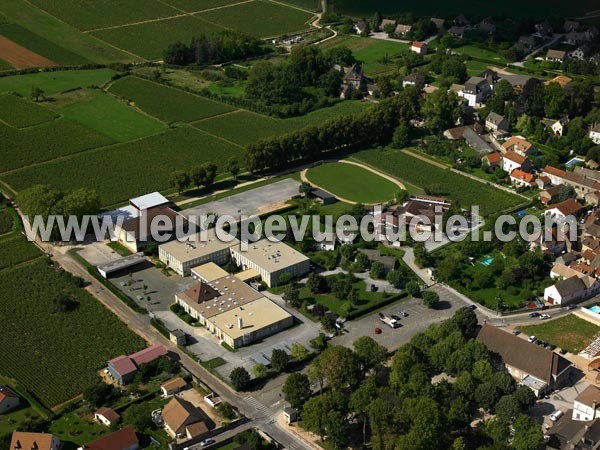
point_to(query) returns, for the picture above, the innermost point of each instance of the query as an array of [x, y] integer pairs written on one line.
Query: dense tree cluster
[[373, 127], [214, 48]]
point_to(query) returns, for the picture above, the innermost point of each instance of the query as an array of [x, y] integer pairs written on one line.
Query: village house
[[551, 194], [419, 47], [107, 416], [495, 122], [530, 365], [519, 145], [123, 368], [462, 21], [402, 30], [556, 55], [561, 80], [594, 133], [512, 160], [543, 29], [571, 290], [559, 127], [21, 440], [520, 178], [457, 31], [557, 176], [543, 182], [9, 400], [361, 27], [476, 91], [564, 209], [586, 405], [387, 24], [487, 25], [580, 52], [526, 43], [414, 79], [493, 161], [182, 420], [124, 439], [172, 386], [439, 23], [570, 25], [352, 81]]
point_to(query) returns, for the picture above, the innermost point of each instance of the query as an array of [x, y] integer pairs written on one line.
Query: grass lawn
[[5, 65], [481, 53], [569, 332], [75, 430], [119, 248], [18, 112], [12, 421], [352, 183], [54, 82], [108, 115]]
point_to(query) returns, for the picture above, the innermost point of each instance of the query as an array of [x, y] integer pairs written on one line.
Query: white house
[[587, 404], [419, 47], [571, 290], [327, 242], [106, 416], [569, 207], [511, 161], [560, 126], [595, 133], [476, 91]]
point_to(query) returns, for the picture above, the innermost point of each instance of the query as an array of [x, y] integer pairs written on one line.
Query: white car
[[545, 316], [206, 442], [556, 415], [531, 338]]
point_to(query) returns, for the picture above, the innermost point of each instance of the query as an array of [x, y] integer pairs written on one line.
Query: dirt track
[[20, 57]]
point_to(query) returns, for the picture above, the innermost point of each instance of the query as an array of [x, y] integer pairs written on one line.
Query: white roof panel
[[149, 201]]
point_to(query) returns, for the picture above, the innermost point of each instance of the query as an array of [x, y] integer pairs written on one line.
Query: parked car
[[562, 351], [556, 415], [545, 316], [377, 330], [531, 338], [534, 314], [472, 307], [403, 314], [516, 332], [570, 307], [395, 317], [550, 346], [206, 442]]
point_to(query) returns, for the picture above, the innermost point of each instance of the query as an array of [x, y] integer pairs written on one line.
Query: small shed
[[325, 197], [290, 415], [178, 337], [107, 416], [173, 386]]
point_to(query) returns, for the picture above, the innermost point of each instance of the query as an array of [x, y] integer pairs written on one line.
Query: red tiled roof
[[119, 440], [554, 171], [568, 207], [517, 143], [418, 44], [6, 392], [494, 158], [29, 441], [515, 157], [123, 365], [523, 176], [148, 354]]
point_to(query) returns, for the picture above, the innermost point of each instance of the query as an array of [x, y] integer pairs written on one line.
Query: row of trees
[[214, 48], [202, 176], [373, 127]]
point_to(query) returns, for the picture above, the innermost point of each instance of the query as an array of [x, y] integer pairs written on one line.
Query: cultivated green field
[[376, 56], [6, 221], [18, 112], [4, 65], [54, 354], [165, 103], [260, 18], [245, 127], [149, 40], [352, 183], [442, 182], [90, 14], [40, 45], [15, 249], [198, 5], [28, 16], [123, 171], [110, 116], [55, 82], [44, 142], [310, 5]]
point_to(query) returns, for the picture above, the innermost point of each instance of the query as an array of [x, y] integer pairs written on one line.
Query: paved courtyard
[[250, 203]]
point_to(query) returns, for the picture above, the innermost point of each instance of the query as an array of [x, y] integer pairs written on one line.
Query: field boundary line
[[404, 182], [294, 7], [204, 119], [160, 19], [219, 137], [23, 263], [425, 159]]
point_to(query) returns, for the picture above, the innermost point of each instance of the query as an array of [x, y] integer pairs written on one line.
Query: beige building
[[183, 256], [183, 420], [208, 272], [270, 260], [233, 311]]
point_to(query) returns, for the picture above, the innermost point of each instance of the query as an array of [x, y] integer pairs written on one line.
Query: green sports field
[[110, 116], [55, 82], [352, 183], [166, 103], [18, 112]]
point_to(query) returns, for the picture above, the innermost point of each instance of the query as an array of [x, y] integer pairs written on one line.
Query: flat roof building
[[208, 272], [271, 260], [183, 256]]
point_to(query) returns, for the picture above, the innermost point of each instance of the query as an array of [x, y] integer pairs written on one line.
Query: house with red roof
[[123, 368], [521, 178], [419, 47], [569, 207], [34, 441], [9, 400], [512, 160], [124, 439]]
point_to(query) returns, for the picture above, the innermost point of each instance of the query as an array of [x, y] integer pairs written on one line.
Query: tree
[[360, 400], [279, 360], [413, 288], [197, 176], [376, 22], [298, 352], [239, 378], [259, 370], [179, 181], [532, 97], [65, 303], [314, 413], [401, 136], [441, 110], [335, 426], [292, 297], [377, 270], [508, 408], [99, 393], [315, 283], [528, 434], [296, 390], [305, 188], [233, 166], [339, 366], [139, 416], [431, 299], [395, 278], [37, 93], [370, 354]]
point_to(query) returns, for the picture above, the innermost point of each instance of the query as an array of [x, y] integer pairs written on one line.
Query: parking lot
[[250, 203], [559, 400]]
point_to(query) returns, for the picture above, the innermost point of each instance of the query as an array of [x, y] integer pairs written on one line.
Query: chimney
[[240, 323]]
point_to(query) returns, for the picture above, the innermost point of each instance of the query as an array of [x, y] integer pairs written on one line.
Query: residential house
[[124, 439], [352, 81], [559, 128], [562, 80], [519, 145], [526, 43], [387, 23], [493, 161], [512, 160], [414, 79], [543, 29], [123, 368], [173, 386], [571, 290], [419, 47], [586, 405], [574, 38], [569, 434], [487, 25], [551, 194], [106, 416], [592, 198], [476, 142], [591, 33], [361, 27], [9, 400], [182, 420], [21, 440], [543, 182], [457, 31], [439, 23], [594, 133], [556, 55], [530, 365], [402, 30], [557, 176], [476, 91], [580, 52], [591, 164], [583, 182], [461, 20], [495, 122], [521, 178], [564, 209]]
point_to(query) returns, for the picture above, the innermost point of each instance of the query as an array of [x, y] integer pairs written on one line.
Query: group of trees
[[202, 176], [214, 48], [371, 128]]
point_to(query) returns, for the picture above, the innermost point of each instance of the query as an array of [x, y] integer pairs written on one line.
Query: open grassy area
[[569, 332], [259, 18], [481, 53], [49, 361], [123, 171], [245, 127], [104, 113], [352, 183], [45, 142], [59, 33], [18, 112], [166, 103], [442, 182], [55, 82], [12, 421], [5, 65], [376, 56]]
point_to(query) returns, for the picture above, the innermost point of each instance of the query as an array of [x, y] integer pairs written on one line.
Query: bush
[[239, 378], [430, 299]]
